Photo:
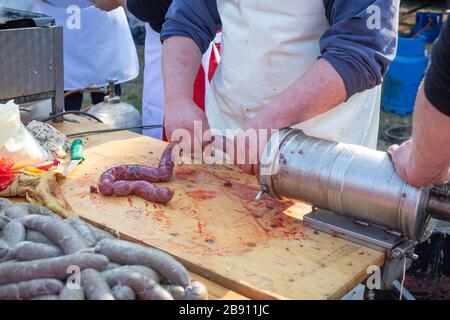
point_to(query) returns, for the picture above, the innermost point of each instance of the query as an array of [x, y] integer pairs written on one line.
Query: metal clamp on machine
[[357, 193]]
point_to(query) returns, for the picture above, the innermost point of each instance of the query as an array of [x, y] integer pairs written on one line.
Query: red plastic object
[[47, 165], [6, 173]]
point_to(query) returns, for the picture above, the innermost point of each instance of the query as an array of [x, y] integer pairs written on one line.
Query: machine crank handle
[[439, 204]]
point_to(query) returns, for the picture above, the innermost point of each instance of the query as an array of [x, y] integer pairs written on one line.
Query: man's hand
[[425, 159], [412, 172], [180, 62], [109, 5], [249, 145], [296, 104], [184, 119]]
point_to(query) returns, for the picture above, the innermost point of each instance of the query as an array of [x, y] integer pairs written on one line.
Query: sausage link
[[68, 293], [128, 253], [58, 267], [143, 189], [14, 232], [126, 180], [30, 289], [58, 231], [121, 292], [28, 251], [95, 287]]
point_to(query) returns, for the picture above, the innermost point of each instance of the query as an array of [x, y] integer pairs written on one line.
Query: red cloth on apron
[[199, 83], [199, 88]]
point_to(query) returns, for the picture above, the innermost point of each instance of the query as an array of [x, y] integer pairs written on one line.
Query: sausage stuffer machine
[[356, 191]]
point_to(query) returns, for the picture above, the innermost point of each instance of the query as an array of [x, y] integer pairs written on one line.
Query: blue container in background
[[428, 25], [404, 76]]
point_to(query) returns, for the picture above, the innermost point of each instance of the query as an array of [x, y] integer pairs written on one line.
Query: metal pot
[[116, 113]]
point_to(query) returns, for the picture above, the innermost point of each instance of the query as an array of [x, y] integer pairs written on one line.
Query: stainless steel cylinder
[[349, 180]]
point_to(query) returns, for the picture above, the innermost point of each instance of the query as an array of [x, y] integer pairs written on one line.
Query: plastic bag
[[16, 142], [6, 173]]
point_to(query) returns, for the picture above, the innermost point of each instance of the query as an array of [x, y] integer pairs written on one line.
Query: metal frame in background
[[32, 65]]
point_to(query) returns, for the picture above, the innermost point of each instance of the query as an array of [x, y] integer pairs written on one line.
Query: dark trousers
[[74, 101]]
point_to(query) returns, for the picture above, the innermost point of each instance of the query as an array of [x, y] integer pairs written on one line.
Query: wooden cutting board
[[260, 250]]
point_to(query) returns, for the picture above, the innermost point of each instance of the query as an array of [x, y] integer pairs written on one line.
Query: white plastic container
[[16, 142]]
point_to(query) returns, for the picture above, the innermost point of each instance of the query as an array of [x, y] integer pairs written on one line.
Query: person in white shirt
[[97, 45]]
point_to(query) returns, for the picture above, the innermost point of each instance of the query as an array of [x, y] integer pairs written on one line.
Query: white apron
[[266, 46], [211, 52], [153, 90], [101, 48]]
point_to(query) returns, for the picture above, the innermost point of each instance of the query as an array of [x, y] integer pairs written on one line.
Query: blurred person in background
[[153, 12], [97, 45]]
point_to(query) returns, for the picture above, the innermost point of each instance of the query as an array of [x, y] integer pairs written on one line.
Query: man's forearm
[[320, 89], [180, 62], [425, 159], [181, 59], [430, 154]]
